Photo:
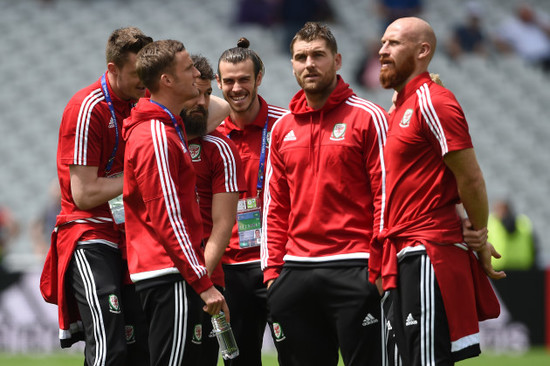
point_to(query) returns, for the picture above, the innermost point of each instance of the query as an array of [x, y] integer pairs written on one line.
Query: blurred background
[[493, 54]]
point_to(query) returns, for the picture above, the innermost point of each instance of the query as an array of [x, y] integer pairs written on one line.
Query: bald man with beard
[[436, 289]]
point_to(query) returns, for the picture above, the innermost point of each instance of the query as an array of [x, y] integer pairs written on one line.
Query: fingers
[[225, 309], [495, 275], [213, 301], [494, 252]]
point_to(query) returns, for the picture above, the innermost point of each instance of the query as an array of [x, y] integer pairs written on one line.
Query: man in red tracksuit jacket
[[163, 223], [323, 170], [85, 270]]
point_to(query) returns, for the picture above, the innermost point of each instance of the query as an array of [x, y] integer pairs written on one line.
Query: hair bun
[[243, 43]]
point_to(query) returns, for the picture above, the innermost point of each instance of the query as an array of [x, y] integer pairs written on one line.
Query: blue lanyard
[[174, 121], [262, 157], [113, 116], [260, 183]]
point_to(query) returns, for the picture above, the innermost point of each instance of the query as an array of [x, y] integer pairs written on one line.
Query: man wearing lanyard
[[164, 228], [220, 178], [85, 271], [240, 72]]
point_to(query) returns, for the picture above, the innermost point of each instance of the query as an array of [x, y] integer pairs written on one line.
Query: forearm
[[473, 195], [213, 254], [218, 110], [89, 190], [224, 211]]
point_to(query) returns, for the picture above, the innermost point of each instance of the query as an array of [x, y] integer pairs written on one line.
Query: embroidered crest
[[195, 151], [268, 139], [114, 306], [197, 334], [278, 332], [406, 118], [338, 132], [130, 334]]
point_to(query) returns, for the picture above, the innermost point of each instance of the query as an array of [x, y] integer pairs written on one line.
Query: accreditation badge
[[117, 206], [249, 222]]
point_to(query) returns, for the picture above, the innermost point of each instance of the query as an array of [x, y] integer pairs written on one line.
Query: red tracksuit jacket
[[322, 172], [163, 221]]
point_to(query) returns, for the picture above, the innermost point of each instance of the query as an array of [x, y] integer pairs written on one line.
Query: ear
[[424, 50], [259, 79], [166, 79], [112, 68], [219, 81], [338, 61]]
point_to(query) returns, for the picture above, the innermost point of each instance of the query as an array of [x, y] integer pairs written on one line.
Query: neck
[[242, 119], [318, 100], [175, 107]]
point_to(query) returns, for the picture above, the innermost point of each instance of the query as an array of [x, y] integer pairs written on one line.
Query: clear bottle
[[224, 334]]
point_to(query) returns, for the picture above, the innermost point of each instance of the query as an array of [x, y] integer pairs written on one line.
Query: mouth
[[311, 76], [385, 63], [238, 98]]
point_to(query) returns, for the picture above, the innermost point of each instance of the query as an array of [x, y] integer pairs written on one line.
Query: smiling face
[[315, 66], [125, 80], [239, 85]]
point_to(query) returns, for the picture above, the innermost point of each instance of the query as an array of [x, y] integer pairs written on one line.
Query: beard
[[194, 120], [395, 76], [318, 87]]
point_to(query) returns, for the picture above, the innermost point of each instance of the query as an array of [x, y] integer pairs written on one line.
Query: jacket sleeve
[[167, 187], [375, 165], [275, 215]]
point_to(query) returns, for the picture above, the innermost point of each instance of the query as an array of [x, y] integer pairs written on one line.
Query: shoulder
[[219, 141], [86, 100], [364, 105], [432, 94], [274, 112], [365, 110]]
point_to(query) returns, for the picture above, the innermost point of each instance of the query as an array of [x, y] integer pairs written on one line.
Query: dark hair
[[124, 41], [201, 63], [156, 59], [242, 53], [312, 31]]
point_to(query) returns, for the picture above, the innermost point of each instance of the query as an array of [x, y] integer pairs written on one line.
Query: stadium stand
[[51, 49]]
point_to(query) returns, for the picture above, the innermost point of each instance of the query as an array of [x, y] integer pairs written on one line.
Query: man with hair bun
[[240, 73]]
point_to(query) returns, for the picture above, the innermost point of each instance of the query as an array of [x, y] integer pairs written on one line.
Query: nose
[[310, 62], [383, 49], [201, 99], [237, 86], [196, 72]]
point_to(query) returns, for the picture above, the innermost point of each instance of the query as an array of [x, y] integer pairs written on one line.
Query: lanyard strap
[[263, 148], [262, 157], [113, 116], [174, 121]]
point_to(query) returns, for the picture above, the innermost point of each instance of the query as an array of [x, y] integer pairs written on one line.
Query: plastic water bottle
[[224, 334]]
